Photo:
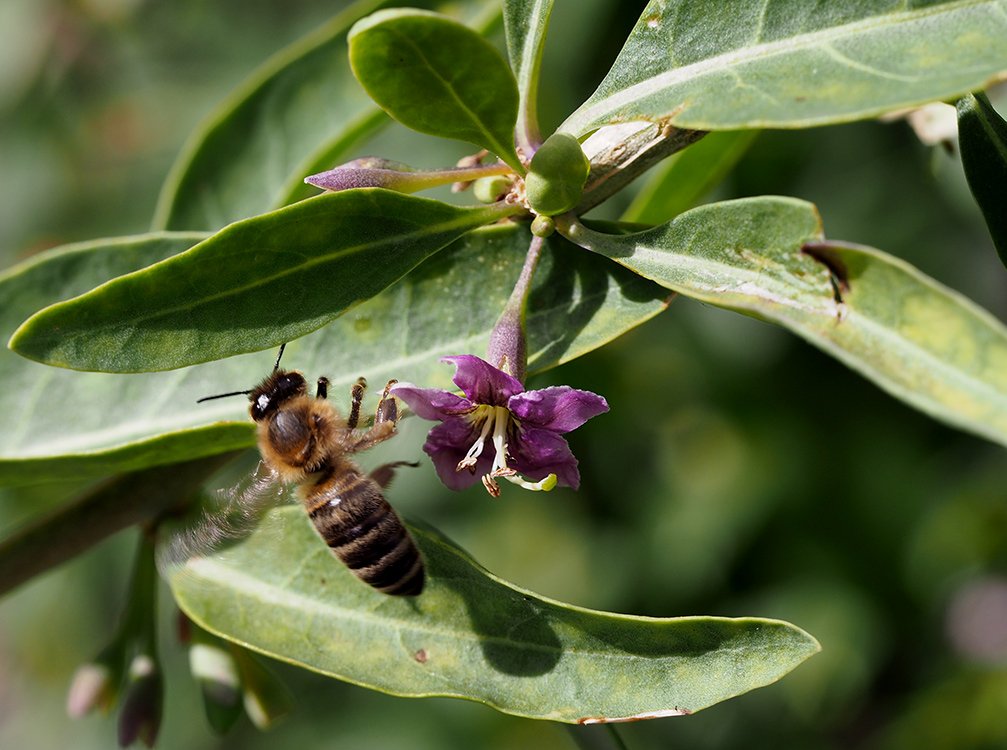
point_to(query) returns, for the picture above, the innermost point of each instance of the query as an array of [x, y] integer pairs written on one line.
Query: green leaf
[[920, 341], [241, 160], [301, 112], [525, 24], [437, 76], [791, 64], [125, 422], [255, 284], [117, 423], [685, 177], [471, 635], [982, 139]]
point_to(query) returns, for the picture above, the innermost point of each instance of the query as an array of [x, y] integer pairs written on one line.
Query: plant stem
[[139, 619], [139, 497], [618, 160]]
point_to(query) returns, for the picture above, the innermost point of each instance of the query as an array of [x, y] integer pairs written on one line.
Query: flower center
[[496, 420]]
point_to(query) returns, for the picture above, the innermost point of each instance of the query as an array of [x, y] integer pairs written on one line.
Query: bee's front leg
[[387, 409], [322, 388], [385, 419]]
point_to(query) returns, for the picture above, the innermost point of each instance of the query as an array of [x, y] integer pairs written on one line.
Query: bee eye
[[289, 383]]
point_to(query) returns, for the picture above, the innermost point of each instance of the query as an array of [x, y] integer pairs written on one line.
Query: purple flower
[[500, 430]]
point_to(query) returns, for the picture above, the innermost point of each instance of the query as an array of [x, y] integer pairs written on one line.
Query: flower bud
[[140, 717], [369, 171], [214, 668], [266, 699], [93, 686]]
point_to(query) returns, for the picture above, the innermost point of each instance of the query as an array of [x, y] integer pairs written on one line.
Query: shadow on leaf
[[515, 631]]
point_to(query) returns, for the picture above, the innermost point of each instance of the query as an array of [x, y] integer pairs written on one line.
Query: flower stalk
[[130, 658], [140, 716], [508, 349]]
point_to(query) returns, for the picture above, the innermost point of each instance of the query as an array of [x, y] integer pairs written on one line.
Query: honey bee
[[304, 441]]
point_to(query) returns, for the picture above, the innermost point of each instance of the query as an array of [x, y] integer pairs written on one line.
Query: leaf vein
[[612, 102], [838, 56]]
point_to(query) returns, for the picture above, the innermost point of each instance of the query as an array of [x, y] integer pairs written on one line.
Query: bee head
[[280, 386]]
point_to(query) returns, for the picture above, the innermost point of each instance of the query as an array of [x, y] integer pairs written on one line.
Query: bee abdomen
[[364, 531]]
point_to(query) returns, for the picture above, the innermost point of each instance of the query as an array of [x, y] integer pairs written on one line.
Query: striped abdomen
[[363, 531]]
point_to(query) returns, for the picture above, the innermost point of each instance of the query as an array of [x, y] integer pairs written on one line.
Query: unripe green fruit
[[542, 226], [556, 175]]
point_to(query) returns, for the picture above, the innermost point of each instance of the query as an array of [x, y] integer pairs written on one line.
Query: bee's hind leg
[[385, 473]]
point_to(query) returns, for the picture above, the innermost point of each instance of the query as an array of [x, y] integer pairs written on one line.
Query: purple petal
[[447, 444], [538, 452], [481, 381], [559, 409], [431, 403]]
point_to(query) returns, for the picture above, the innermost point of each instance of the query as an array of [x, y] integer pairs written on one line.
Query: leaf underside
[[765, 257], [982, 140], [793, 64]]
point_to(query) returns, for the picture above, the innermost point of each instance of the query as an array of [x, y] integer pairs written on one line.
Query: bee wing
[[228, 516]]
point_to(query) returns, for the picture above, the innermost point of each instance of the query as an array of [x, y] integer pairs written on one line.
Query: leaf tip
[[23, 343]]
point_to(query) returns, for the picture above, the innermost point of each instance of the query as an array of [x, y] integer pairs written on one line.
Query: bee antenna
[[222, 395], [278, 356]]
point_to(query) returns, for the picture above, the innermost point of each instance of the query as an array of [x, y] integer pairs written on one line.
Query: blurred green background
[[739, 472]]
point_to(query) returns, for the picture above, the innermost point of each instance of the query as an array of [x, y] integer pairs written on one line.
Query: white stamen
[[469, 462], [497, 419], [501, 417]]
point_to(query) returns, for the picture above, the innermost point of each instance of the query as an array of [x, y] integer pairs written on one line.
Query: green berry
[[557, 175], [543, 226]]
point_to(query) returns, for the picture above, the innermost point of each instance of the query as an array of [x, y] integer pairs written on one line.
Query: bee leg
[[384, 419], [356, 396], [379, 433], [387, 409], [322, 388], [385, 473]]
